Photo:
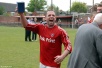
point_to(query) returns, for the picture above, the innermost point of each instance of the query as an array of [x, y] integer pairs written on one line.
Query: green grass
[[16, 53]]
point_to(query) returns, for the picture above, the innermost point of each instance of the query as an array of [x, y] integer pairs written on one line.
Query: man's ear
[[100, 26]]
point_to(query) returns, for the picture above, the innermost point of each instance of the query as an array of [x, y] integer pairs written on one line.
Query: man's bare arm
[[23, 19]]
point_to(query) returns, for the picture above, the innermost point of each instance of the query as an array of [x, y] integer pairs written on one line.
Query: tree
[[78, 7], [1, 10], [36, 5]]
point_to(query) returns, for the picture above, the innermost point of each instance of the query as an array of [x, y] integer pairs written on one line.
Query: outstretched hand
[[16, 10]]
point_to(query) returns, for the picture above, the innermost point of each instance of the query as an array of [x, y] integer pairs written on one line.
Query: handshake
[[20, 7]]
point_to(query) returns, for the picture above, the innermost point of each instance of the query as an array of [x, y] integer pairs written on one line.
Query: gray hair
[[98, 18]]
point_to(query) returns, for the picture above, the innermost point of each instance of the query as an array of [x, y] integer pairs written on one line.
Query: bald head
[[50, 12], [98, 18], [50, 18]]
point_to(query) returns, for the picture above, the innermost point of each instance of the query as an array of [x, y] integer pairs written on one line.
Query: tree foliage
[[36, 5], [78, 7], [1, 10]]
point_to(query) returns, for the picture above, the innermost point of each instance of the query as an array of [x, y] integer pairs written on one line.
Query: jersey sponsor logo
[[50, 40], [42, 38]]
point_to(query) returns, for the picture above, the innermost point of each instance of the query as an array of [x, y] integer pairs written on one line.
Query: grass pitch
[[16, 53]]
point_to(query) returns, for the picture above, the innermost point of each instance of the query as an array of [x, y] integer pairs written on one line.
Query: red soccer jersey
[[51, 40]]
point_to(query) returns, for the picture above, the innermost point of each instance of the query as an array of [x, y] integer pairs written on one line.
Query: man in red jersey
[[51, 39]]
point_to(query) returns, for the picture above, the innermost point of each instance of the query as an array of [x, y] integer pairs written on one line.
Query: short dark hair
[[99, 5]]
